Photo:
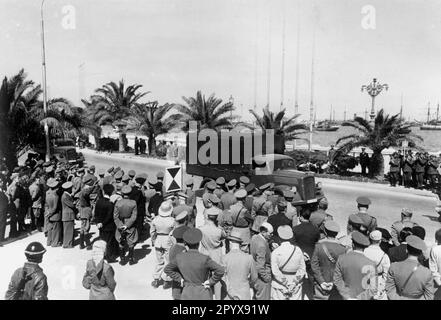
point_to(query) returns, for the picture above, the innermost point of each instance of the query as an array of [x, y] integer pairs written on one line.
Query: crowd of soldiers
[[414, 171], [238, 242]]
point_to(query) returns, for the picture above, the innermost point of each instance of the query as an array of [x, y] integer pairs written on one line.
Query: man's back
[[397, 254], [240, 270], [28, 283], [306, 236], [104, 214], [323, 265]]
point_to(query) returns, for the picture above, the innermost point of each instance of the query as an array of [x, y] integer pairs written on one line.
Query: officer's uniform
[[369, 222], [279, 219], [162, 226], [408, 164], [85, 210], [53, 212], [394, 171], [261, 253], [124, 214], [420, 169], [397, 226], [175, 249], [323, 263], [432, 172], [37, 200], [364, 162], [220, 188], [240, 272], [241, 217], [228, 198], [139, 198], [69, 212], [194, 268], [288, 268], [354, 274], [262, 209], [408, 280]]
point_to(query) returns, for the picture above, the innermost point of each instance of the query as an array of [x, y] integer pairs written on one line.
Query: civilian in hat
[[198, 271], [99, 276], [35, 286], [397, 226], [369, 221], [176, 248], [53, 212], [261, 210], [261, 253], [354, 275], [288, 267], [85, 212], [323, 262], [279, 219], [306, 236], [381, 260], [138, 196], [243, 182], [435, 264], [399, 253], [240, 270], [228, 198], [242, 218], [161, 227], [126, 235], [408, 279], [105, 222], [212, 236], [69, 212]]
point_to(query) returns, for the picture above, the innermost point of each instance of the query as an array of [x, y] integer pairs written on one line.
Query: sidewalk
[[127, 155]]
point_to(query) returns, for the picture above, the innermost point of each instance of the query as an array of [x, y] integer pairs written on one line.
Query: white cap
[[268, 227], [375, 235]]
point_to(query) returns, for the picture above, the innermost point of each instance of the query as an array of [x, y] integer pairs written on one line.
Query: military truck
[[260, 167], [63, 150]]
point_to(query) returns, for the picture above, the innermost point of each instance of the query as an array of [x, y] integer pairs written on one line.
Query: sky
[[176, 47]]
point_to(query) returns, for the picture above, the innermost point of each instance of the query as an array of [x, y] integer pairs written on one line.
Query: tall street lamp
[[374, 89], [43, 64]]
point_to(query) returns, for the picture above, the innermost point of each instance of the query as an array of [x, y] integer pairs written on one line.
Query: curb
[[20, 237]]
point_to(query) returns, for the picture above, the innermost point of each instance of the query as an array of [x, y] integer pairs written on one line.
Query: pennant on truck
[[173, 179]]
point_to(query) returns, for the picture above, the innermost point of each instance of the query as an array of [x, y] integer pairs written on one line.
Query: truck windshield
[[284, 164]]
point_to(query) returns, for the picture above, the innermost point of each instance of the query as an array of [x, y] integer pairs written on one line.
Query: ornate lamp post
[[374, 89]]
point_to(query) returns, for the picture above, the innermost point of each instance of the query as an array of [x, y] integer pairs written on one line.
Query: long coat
[[68, 207], [124, 214], [99, 279]]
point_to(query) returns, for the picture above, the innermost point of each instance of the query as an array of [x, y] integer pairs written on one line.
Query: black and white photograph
[[220, 150]]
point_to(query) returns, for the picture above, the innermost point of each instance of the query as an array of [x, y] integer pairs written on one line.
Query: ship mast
[[428, 112], [437, 113], [401, 109], [296, 102], [311, 106], [269, 62], [282, 93]]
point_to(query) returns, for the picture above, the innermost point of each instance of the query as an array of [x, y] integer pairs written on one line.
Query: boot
[[132, 259], [157, 282], [87, 241], [82, 246], [167, 285], [122, 257]]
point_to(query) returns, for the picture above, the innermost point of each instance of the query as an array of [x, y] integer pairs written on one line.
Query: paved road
[[65, 268]]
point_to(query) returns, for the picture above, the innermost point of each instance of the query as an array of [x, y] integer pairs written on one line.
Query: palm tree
[[151, 120], [112, 105], [285, 128], [386, 131], [208, 113]]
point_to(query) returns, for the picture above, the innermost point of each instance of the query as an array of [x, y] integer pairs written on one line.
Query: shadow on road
[[432, 218], [141, 253]]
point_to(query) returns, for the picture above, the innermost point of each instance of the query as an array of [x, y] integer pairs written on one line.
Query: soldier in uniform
[[157, 199], [408, 279], [53, 212], [432, 171], [243, 182], [241, 217], [323, 262], [85, 212], [382, 262], [210, 186], [198, 272], [261, 253], [77, 183], [124, 215], [354, 274], [139, 198], [69, 212], [220, 187], [397, 226], [191, 196], [364, 161], [240, 270], [36, 193], [29, 282], [125, 180], [369, 222], [160, 176], [394, 170], [211, 243], [262, 208], [354, 224], [420, 169], [175, 249], [408, 164], [288, 267], [161, 227], [118, 182], [132, 175], [228, 198], [319, 215]]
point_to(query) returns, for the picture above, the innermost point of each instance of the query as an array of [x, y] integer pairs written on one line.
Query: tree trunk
[[122, 142], [97, 142], [377, 165], [152, 145]]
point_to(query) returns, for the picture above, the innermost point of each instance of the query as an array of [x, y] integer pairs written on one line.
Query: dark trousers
[[363, 169], [433, 179], [112, 245], [54, 233], [393, 178], [407, 179], [68, 234], [3, 218], [12, 211], [420, 179], [21, 215], [262, 290]]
